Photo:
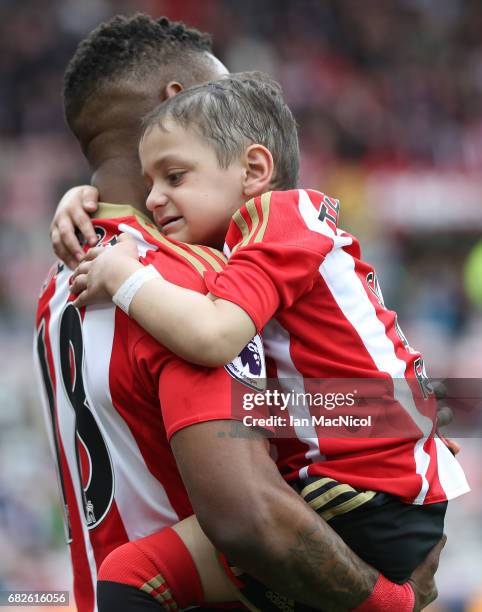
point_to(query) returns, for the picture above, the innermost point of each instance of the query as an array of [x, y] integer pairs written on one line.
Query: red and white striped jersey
[[104, 380], [302, 279]]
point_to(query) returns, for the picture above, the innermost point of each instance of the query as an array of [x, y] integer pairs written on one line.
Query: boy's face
[[191, 197]]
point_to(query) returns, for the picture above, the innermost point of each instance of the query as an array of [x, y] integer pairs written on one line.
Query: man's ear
[[259, 169], [171, 89]]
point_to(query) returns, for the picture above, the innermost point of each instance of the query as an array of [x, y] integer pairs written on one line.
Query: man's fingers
[[82, 221], [429, 565], [68, 238], [90, 198], [57, 243], [434, 554], [60, 251], [440, 389], [433, 594], [422, 578], [445, 416]]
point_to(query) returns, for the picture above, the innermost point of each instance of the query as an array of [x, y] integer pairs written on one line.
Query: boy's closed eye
[[175, 177]]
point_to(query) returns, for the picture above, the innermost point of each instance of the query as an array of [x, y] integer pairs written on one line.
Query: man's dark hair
[[132, 48], [234, 112]]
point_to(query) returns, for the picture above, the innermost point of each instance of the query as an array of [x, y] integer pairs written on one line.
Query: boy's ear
[[170, 90], [259, 169]]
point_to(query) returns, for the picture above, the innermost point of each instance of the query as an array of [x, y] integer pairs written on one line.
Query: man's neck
[[119, 182]]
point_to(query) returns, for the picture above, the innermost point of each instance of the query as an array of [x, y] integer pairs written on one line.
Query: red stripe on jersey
[[436, 489], [46, 293], [108, 535]]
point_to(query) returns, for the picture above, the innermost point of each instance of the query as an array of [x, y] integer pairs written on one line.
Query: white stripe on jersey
[[338, 272], [277, 342], [310, 217], [226, 251], [450, 471], [142, 501], [142, 245]]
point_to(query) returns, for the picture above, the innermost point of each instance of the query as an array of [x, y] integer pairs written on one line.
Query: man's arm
[[249, 512]]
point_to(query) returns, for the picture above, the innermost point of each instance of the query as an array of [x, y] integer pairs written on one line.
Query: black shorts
[[390, 535]]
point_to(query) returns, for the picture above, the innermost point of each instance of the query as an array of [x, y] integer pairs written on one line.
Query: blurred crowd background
[[388, 97]]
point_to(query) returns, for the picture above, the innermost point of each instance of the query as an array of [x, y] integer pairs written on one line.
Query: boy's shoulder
[[289, 217], [305, 200], [289, 209]]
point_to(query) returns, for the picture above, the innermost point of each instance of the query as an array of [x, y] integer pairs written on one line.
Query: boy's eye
[[175, 178]]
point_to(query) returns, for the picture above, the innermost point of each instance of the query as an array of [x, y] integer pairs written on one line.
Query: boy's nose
[[155, 199]]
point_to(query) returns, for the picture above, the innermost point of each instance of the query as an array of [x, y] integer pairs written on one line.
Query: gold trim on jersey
[[209, 258], [257, 229], [253, 213], [218, 254], [164, 597], [265, 201], [114, 211], [357, 499], [155, 233], [242, 226]]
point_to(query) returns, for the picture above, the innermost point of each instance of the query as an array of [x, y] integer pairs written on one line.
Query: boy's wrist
[[119, 272], [128, 289]]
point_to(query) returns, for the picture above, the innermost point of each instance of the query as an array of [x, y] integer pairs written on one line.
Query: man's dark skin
[[242, 503]]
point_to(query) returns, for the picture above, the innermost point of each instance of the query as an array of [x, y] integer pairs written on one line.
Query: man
[[104, 377]]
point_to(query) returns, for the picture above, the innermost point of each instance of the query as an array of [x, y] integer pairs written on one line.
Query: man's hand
[[445, 414], [73, 213], [103, 270], [423, 577]]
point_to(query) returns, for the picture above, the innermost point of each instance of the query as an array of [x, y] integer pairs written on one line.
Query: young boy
[[294, 274]]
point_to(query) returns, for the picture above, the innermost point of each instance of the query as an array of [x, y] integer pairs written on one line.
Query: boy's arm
[[274, 262], [198, 329], [191, 325], [278, 242]]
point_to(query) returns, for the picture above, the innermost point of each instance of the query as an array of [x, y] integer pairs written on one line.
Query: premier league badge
[[249, 366]]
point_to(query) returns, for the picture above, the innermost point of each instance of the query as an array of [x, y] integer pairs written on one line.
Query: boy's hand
[[73, 213], [423, 577], [103, 270]]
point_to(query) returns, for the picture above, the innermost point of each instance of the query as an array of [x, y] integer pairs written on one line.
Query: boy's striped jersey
[[302, 280]]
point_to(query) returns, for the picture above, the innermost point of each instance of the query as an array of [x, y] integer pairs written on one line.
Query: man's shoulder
[[180, 263]]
